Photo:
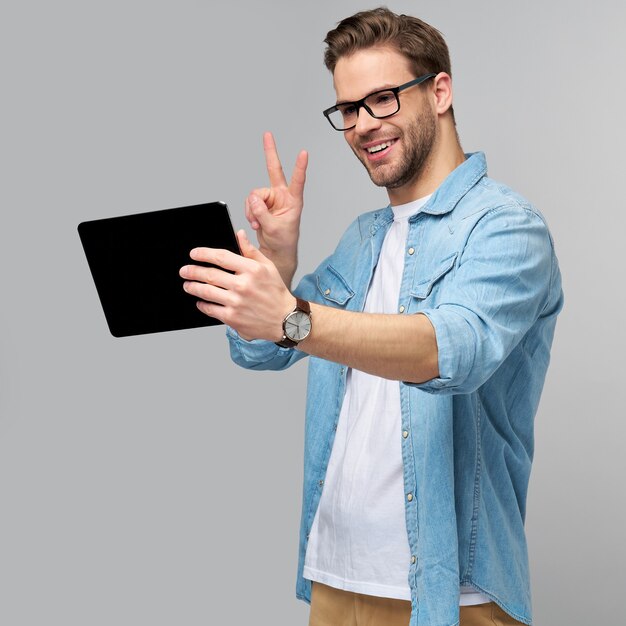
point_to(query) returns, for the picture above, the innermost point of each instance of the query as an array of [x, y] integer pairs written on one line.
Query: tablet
[[135, 260]]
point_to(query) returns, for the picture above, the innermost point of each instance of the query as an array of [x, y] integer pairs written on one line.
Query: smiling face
[[396, 149]]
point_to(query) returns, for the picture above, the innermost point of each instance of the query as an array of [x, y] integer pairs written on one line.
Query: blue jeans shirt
[[484, 271]]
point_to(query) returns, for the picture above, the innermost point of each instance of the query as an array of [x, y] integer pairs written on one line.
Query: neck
[[445, 157]]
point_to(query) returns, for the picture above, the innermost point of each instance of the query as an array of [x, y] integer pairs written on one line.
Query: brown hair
[[420, 43]]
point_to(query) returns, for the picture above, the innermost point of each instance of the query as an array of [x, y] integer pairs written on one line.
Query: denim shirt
[[480, 264]]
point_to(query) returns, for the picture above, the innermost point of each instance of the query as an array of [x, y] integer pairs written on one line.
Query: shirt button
[[401, 309], [327, 292], [411, 250], [321, 483], [405, 433], [409, 497], [413, 560]]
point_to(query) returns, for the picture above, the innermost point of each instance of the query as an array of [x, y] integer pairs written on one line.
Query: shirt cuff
[[455, 349], [256, 350]]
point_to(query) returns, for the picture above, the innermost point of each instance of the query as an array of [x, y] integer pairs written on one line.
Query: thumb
[[247, 249], [258, 206]]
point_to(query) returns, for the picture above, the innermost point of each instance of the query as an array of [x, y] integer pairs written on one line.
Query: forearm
[[397, 347]]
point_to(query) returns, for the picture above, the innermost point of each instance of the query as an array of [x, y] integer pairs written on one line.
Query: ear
[[442, 92]]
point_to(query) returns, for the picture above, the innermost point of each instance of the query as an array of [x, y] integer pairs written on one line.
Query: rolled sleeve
[[259, 353], [499, 290], [455, 342]]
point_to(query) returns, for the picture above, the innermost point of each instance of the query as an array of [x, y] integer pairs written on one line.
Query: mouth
[[379, 149]]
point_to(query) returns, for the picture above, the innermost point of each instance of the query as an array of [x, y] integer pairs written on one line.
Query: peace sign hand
[[274, 212]]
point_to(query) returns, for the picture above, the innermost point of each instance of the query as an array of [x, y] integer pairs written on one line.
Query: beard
[[417, 140]]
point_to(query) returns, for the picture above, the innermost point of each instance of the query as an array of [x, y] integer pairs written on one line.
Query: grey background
[[150, 481]]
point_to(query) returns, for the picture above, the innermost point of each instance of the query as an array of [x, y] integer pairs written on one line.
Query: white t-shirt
[[358, 541]]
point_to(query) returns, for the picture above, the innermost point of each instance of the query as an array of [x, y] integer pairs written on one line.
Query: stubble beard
[[417, 140]]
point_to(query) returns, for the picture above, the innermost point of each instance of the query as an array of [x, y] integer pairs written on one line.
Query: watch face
[[297, 326]]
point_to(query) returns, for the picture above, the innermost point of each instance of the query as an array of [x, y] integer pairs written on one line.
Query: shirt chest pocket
[[333, 287], [429, 281]]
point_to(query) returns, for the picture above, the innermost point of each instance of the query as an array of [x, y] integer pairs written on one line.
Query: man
[[429, 330]]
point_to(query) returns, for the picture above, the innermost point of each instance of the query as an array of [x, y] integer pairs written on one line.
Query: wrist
[[286, 255], [286, 271], [296, 325]]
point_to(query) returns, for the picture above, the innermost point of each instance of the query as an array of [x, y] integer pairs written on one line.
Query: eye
[[384, 98], [347, 110]]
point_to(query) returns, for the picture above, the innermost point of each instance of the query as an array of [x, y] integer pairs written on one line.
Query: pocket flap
[[333, 286], [422, 288]]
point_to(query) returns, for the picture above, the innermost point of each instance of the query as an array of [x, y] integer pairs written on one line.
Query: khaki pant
[[334, 607]]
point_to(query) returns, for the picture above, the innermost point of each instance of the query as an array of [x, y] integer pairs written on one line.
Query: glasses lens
[[383, 103], [343, 117]]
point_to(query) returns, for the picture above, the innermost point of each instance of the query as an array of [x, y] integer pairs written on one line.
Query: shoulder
[[489, 194], [491, 205]]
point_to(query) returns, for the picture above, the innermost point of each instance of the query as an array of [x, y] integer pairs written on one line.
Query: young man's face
[[410, 133]]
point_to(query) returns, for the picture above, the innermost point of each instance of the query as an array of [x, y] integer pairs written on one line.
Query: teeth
[[379, 147]]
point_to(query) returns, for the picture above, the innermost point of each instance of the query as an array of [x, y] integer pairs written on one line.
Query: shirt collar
[[456, 184]]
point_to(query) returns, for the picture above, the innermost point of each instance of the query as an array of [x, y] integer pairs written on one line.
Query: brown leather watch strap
[[303, 305]]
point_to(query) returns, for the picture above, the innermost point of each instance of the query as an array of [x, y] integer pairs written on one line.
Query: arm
[[254, 301], [274, 213], [398, 347], [504, 282]]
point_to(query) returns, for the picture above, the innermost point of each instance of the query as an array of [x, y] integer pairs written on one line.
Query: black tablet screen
[[135, 260]]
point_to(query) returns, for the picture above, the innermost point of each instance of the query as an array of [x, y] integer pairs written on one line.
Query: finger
[[259, 211], [208, 293], [208, 275], [247, 249], [298, 178], [222, 258], [265, 193], [212, 310], [267, 196], [274, 168]]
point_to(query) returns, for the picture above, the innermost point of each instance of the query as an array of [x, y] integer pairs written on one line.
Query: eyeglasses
[[379, 104]]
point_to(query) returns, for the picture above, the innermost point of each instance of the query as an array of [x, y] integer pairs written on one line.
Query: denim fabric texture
[[485, 273]]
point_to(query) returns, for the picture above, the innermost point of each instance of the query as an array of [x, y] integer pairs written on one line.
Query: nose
[[365, 123]]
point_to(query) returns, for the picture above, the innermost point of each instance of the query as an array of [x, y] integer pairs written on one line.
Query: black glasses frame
[[361, 103]]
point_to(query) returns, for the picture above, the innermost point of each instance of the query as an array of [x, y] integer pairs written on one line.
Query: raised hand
[[274, 212]]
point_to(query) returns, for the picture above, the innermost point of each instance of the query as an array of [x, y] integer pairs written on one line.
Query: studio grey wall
[[150, 481]]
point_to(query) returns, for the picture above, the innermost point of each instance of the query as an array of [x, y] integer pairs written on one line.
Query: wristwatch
[[297, 325]]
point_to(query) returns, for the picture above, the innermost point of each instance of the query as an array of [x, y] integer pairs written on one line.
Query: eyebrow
[[385, 86]]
